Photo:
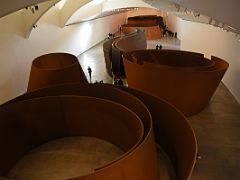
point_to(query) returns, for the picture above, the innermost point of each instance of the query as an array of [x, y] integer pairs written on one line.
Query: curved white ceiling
[[225, 11], [220, 11], [9, 6], [87, 11], [69, 8], [96, 8], [119, 4], [30, 19]]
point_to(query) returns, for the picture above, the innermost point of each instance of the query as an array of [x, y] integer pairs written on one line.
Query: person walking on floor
[[90, 73]]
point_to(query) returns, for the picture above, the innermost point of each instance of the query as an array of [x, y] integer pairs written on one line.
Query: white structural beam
[[9, 6], [31, 16], [69, 9], [87, 12], [117, 4]]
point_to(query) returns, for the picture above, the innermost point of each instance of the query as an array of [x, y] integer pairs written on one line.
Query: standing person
[[157, 47], [160, 46], [115, 80], [90, 73], [120, 82]]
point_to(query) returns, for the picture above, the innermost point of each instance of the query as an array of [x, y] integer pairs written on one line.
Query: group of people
[[159, 47], [117, 81], [111, 35], [167, 32]]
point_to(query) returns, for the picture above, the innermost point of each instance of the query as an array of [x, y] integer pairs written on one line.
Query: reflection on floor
[[217, 127], [94, 59]]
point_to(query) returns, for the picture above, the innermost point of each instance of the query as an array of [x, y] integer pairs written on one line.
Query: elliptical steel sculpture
[[55, 68], [185, 79]]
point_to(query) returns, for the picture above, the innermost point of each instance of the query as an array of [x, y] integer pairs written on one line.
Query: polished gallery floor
[[217, 130]]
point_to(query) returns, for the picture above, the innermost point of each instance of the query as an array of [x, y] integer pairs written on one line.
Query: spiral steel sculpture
[[133, 39], [123, 116]]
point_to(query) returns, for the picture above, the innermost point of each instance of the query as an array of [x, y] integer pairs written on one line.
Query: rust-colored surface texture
[[133, 39], [185, 79], [133, 36], [152, 32], [128, 118], [150, 23], [55, 68], [107, 51]]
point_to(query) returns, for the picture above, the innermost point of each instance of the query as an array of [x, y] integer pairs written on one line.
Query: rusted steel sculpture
[[107, 51], [133, 36], [185, 79], [132, 39], [152, 25], [55, 68], [48, 110]]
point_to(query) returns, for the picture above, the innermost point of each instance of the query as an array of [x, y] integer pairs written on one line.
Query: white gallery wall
[[211, 40], [17, 53], [173, 23], [225, 11]]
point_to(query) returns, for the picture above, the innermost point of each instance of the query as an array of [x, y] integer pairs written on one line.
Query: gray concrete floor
[[217, 130], [65, 158]]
